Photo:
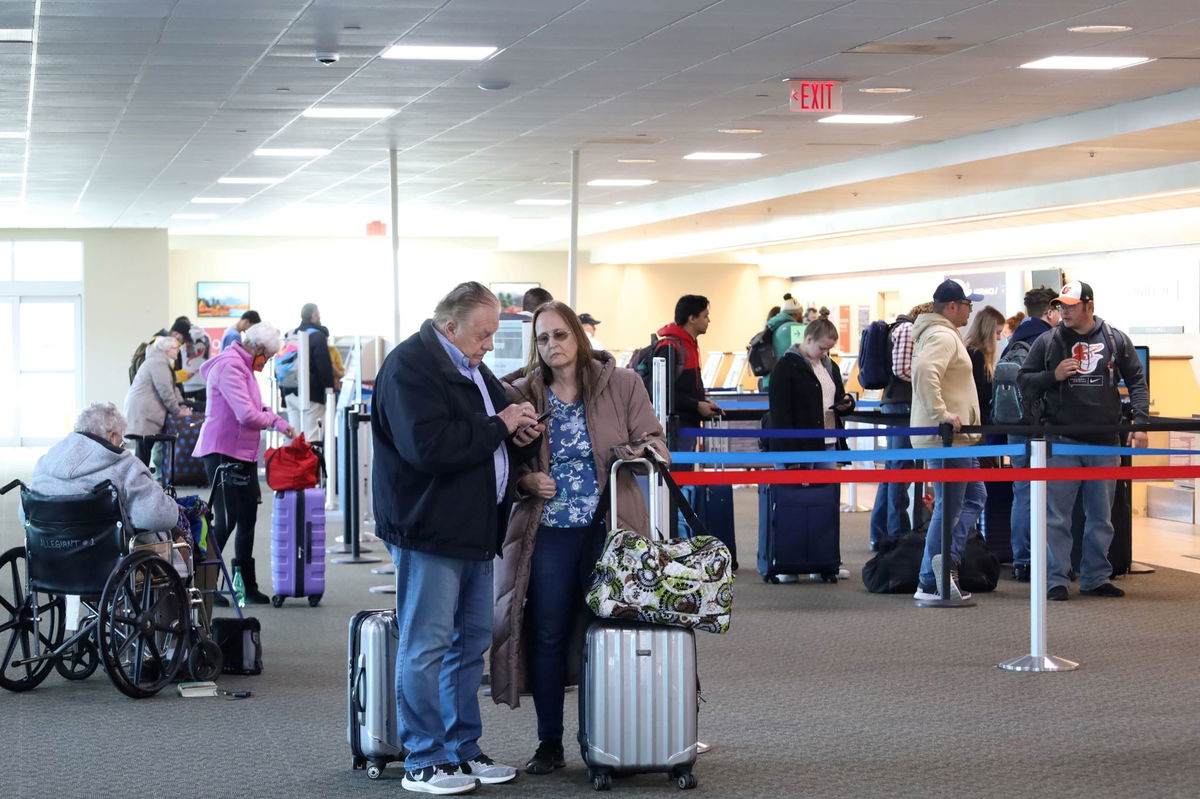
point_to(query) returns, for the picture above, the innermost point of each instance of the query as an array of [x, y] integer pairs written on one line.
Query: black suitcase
[[714, 506], [799, 530], [996, 521], [189, 471]]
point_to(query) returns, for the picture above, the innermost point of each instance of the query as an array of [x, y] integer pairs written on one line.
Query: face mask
[[259, 362]]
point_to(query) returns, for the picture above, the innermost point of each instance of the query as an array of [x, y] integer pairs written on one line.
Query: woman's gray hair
[[264, 335], [100, 419], [461, 301]]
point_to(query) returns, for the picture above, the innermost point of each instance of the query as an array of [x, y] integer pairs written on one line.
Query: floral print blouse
[[572, 466]]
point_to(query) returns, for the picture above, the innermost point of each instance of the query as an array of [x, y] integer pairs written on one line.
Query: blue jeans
[[1019, 518], [444, 611], [889, 516], [559, 575], [961, 503], [1094, 568]]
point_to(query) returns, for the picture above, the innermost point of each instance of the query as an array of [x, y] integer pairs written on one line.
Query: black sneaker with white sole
[[442, 779]]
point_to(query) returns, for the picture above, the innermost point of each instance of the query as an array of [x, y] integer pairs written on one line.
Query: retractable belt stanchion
[[1037, 659], [329, 451], [350, 511]]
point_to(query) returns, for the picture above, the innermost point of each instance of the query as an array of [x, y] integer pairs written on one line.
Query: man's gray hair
[[461, 301], [264, 335], [100, 419]]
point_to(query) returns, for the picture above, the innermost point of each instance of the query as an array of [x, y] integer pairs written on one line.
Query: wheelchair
[[142, 621]]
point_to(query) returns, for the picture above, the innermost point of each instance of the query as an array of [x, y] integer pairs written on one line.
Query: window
[[44, 261]]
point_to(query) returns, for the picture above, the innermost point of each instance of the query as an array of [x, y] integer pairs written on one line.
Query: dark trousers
[[559, 575], [142, 449], [234, 500]]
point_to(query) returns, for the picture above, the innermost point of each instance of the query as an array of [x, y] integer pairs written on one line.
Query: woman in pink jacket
[[230, 434]]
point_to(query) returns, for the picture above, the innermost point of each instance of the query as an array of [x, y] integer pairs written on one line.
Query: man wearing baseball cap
[[589, 322], [943, 386], [1073, 370]]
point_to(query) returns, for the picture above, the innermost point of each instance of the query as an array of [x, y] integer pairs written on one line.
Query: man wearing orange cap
[[1073, 371]]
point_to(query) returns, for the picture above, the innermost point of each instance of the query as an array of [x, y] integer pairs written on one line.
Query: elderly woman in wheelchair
[[84, 512]]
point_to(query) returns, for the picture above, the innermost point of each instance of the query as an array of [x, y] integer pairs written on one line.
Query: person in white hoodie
[[943, 386], [92, 454]]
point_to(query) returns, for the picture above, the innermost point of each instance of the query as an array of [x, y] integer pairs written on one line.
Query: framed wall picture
[[216, 300], [511, 294]]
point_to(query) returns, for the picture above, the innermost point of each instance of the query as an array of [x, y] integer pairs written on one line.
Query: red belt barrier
[[785, 476]]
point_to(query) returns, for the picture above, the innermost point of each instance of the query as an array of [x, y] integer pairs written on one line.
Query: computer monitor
[[1143, 354]]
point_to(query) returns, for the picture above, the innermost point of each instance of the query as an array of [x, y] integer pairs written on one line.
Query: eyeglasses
[[559, 335], [966, 303]]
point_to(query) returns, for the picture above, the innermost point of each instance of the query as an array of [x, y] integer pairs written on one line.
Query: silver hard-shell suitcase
[[372, 729], [638, 697]]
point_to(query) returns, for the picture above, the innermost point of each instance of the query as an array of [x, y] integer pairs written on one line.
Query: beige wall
[[350, 279]]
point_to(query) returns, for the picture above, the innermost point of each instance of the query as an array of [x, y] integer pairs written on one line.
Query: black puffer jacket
[[796, 402]]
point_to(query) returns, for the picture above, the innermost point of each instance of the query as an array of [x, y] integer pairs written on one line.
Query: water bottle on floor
[[239, 586]]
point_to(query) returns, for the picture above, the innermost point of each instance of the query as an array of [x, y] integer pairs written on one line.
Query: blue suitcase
[[799, 531], [714, 506]]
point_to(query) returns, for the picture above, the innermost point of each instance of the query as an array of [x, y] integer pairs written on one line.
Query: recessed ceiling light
[[556, 183], [432, 53], [250, 181], [721, 156], [16, 35], [13, 134], [219, 200], [636, 161], [195, 216], [621, 182], [543, 201], [291, 152], [739, 130], [334, 112], [1100, 29], [884, 90], [1086, 62], [867, 119]]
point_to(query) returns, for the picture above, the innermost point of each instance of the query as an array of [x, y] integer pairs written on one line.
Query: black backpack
[[760, 352], [642, 360], [875, 355]]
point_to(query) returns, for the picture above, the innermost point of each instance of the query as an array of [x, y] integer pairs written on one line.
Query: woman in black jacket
[[806, 392]]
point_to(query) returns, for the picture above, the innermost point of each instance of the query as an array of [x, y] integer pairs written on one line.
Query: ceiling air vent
[[908, 48]]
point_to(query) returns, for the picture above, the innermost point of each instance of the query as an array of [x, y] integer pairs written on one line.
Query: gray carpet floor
[[817, 691]]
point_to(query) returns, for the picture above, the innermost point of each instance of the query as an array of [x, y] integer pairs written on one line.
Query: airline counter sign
[[814, 96]]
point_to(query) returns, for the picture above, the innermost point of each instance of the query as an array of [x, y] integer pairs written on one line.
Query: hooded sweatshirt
[[1028, 331], [689, 388], [81, 461], [942, 380], [785, 332], [1089, 397]]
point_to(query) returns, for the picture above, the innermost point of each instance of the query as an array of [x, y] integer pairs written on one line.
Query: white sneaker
[[487, 771], [442, 779], [956, 593]]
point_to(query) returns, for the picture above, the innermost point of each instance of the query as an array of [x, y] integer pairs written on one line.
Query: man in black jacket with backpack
[[1074, 369]]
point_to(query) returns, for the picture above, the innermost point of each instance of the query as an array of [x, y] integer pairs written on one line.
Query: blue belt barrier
[[1099, 449], [826, 456], [712, 432]]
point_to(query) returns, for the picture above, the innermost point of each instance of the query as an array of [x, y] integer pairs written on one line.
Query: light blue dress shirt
[[463, 364]]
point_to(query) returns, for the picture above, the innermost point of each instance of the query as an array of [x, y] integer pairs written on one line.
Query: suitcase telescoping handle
[[658, 470]]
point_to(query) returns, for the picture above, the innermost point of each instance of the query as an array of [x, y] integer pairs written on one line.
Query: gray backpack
[[1008, 404]]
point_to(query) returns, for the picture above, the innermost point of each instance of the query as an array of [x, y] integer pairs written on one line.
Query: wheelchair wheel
[[18, 611], [204, 659], [143, 624], [80, 661]]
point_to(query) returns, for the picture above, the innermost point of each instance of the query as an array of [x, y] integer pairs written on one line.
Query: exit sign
[[814, 96]]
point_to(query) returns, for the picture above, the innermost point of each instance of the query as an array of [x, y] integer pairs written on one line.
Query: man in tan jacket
[[944, 392]]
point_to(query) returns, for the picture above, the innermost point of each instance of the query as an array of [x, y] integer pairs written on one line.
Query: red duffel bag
[[293, 467]]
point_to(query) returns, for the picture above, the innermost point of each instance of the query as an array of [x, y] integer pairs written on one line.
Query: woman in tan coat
[[597, 414]]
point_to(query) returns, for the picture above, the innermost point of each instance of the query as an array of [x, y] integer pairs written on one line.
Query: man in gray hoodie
[[92, 454], [1074, 369]]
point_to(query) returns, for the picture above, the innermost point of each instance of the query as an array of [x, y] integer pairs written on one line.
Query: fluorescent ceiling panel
[[621, 182], [291, 152], [1086, 62], [335, 112], [702, 156], [411, 52], [867, 119]]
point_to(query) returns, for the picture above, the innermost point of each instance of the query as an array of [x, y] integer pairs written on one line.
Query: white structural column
[[573, 248], [1037, 659], [395, 200]]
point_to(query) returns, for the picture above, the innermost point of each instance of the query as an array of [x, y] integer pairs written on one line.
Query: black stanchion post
[[351, 513]]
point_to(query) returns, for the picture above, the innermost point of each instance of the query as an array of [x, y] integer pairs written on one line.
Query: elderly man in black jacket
[[446, 439]]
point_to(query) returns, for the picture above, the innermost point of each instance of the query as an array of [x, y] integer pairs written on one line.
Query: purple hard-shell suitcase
[[298, 545]]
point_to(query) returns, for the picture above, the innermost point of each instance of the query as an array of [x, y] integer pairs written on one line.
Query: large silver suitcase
[[372, 729], [638, 698]]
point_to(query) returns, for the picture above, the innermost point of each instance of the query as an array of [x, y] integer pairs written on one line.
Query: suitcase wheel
[[373, 772], [277, 601], [684, 782], [830, 578], [314, 600], [771, 579], [601, 780]]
